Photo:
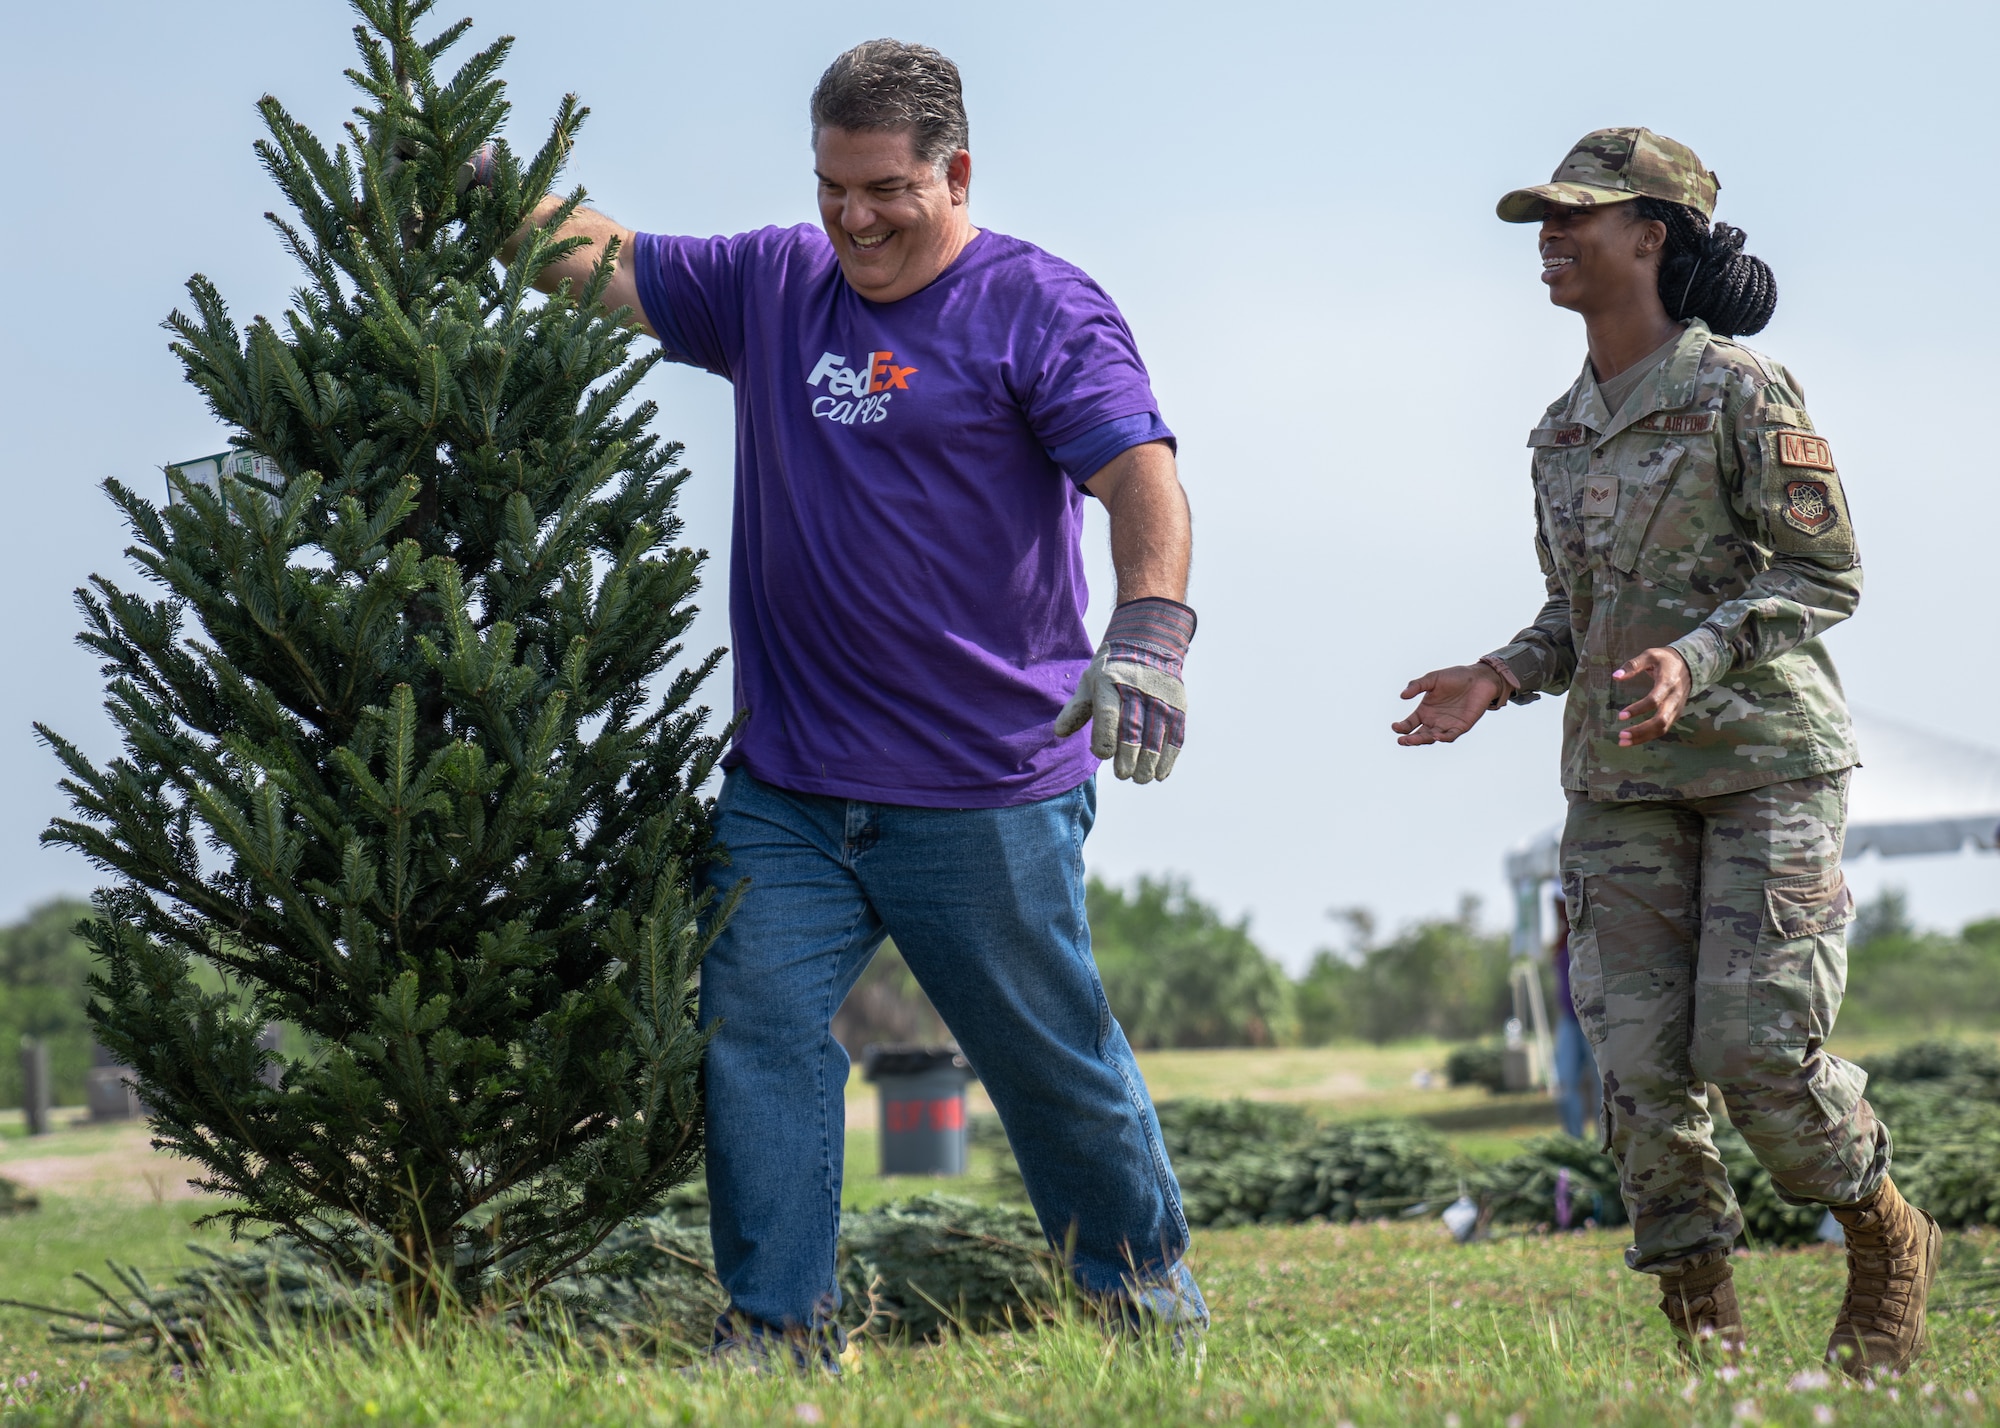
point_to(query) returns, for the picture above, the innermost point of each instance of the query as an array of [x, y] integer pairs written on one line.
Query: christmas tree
[[410, 763]]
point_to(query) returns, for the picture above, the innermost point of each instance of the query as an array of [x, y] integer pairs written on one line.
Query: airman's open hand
[[1453, 700], [1663, 703]]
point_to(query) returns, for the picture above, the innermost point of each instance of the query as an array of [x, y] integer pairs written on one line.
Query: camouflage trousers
[[1708, 950]]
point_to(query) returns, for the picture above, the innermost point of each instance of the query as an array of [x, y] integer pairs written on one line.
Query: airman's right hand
[[1453, 701]]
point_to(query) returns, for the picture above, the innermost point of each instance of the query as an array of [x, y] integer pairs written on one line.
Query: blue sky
[[1293, 204]]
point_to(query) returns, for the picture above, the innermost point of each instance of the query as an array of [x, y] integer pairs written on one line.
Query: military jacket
[[1707, 514]]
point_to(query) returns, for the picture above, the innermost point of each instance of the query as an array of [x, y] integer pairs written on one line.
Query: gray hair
[[886, 84]]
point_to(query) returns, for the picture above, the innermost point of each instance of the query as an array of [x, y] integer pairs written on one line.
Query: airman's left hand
[[1652, 716]]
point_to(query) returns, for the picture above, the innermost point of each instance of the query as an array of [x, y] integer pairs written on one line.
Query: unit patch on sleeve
[[1798, 448], [1808, 507]]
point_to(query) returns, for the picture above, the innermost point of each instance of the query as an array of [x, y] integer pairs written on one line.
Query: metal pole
[[35, 1084]]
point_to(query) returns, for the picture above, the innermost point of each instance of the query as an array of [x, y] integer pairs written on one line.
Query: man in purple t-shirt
[[921, 407]]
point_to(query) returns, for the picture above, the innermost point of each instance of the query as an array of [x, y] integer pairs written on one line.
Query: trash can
[[921, 1094]]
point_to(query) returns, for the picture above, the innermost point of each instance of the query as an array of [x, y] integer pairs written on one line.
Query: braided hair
[[1705, 273]]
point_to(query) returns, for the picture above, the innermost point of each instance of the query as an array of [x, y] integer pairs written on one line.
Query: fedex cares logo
[[857, 394]]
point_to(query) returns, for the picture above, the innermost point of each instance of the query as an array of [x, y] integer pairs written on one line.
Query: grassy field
[[1364, 1324]]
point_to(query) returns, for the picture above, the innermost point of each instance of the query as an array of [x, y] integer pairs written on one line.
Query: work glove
[[1132, 696], [478, 171], [475, 172]]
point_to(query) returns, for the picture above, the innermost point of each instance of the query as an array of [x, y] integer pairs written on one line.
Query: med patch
[[1805, 509], [1803, 449]]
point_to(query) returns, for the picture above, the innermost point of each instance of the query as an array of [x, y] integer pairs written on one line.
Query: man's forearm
[[577, 267], [1151, 535], [512, 247]]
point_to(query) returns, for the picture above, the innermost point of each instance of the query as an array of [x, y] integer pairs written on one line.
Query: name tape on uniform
[[1798, 448], [1557, 436], [1679, 423]]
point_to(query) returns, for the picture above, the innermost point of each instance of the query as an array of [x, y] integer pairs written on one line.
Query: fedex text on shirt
[[857, 394]]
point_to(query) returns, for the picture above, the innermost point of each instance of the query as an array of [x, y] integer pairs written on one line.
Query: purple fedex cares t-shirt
[[907, 590]]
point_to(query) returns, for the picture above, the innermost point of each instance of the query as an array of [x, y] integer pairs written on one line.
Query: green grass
[[1366, 1324], [41, 1251], [1363, 1324]]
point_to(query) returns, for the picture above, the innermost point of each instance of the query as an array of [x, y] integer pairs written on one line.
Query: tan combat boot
[[1892, 1260], [1699, 1300]]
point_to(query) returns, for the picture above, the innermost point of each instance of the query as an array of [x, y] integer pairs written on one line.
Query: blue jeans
[[1579, 1094], [987, 907]]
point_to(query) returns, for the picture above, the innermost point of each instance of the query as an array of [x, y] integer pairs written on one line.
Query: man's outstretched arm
[[1152, 537], [1132, 696], [577, 266]]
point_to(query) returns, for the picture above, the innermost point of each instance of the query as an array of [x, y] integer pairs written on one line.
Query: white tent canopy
[[1916, 792]]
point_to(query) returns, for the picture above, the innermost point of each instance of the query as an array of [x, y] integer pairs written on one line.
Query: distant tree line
[[1177, 973], [43, 964], [1903, 980]]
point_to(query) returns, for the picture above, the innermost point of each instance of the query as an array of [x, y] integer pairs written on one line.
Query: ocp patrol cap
[[1616, 166]]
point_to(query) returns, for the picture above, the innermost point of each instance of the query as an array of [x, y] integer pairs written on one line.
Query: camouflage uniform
[[1703, 868]]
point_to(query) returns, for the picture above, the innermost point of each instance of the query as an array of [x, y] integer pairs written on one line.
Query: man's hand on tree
[[475, 172], [1132, 696], [1653, 715], [478, 171], [1453, 701]]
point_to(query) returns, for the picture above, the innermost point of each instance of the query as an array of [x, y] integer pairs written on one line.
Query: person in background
[[1579, 1091], [1695, 543]]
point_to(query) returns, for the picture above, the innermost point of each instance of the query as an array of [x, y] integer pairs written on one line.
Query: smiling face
[[895, 221], [1594, 259]]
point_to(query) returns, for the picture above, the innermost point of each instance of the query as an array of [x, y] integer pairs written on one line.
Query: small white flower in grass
[[1451, 1420], [807, 1412], [1968, 1397], [1822, 1414], [1688, 1393], [1928, 1389], [1729, 1373], [1895, 1394], [621, 1380], [1516, 1420], [1745, 1411], [1344, 1423], [1807, 1381]]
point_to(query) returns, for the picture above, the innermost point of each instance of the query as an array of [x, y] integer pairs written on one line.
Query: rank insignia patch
[[1798, 448], [1807, 507]]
